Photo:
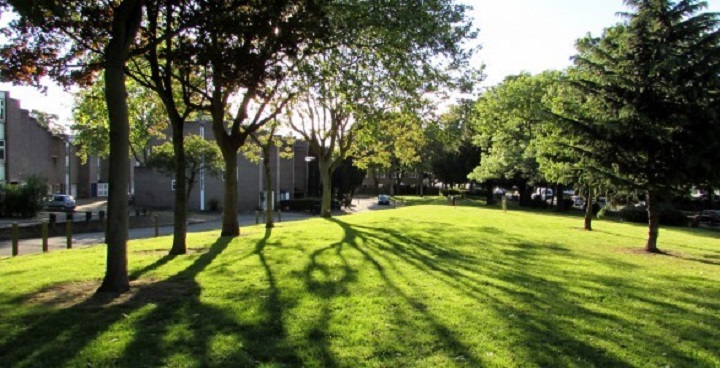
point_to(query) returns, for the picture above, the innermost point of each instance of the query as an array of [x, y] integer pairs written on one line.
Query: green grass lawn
[[420, 286]]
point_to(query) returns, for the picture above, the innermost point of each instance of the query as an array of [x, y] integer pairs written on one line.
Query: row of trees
[[637, 113], [328, 68]]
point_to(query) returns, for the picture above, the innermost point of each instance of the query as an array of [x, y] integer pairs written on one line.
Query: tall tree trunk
[[489, 195], [126, 21], [230, 226], [711, 194], [182, 190], [524, 200], [326, 175], [268, 187], [588, 210], [421, 182], [376, 181], [653, 209], [391, 173], [560, 197]]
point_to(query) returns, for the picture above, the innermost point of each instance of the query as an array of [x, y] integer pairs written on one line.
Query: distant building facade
[[29, 149], [289, 179]]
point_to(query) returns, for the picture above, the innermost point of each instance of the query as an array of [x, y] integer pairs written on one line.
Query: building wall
[[288, 175], [300, 168], [153, 189], [33, 150]]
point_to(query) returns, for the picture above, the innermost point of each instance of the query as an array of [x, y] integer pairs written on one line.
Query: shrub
[[633, 214], [451, 192], [478, 192], [22, 200], [303, 204], [537, 202], [673, 217], [214, 205], [668, 216]]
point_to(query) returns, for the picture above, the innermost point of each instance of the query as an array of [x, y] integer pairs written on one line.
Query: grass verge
[[423, 285]]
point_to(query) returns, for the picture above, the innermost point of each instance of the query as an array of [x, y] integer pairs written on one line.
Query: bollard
[[101, 216], [68, 232], [53, 219], [257, 217], [44, 232], [157, 226], [279, 216], [69, 216], [88, 216], [15, 238]]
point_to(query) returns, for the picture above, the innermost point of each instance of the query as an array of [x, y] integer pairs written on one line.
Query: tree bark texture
[[653, 209], [489, 195], [326, 176], [269, 224], [179, 245], [420, 183], [230, 225], [126, 21], [588, 210], [392, 180], [560, 197], [525, 195]]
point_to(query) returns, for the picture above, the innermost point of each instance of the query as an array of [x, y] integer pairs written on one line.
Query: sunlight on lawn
[[423, 285]]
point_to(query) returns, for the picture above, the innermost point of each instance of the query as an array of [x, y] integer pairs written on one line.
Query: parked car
[[709, 216], [61, 202], [384, 199], [543, 194]]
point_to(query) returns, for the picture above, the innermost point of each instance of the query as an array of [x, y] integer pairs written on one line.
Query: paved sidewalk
[[33, 246]]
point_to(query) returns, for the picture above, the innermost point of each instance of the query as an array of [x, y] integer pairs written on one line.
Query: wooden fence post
[[44, 232], [68, 231], [15, 238]]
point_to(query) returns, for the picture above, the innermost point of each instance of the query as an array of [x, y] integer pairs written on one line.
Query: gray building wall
[[33, 150], [153, 189]]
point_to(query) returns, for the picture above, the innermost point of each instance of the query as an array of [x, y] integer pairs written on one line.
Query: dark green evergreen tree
[[650, 92]]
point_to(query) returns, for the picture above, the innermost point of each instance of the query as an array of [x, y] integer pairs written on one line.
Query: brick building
[[28, 148], [289, 178]]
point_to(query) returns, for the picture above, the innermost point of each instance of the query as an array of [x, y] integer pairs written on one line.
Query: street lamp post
[[308, 159]]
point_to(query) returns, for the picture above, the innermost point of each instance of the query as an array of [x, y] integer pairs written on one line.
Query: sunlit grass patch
[[421, 285]]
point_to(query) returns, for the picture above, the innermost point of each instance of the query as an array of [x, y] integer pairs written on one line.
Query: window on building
[[2, 107], [2, 150], [102, 189]]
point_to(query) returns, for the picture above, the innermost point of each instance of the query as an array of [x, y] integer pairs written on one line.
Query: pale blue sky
[[537, 35], [516, 35]]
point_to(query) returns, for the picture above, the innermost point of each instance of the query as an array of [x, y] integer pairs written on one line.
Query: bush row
[[479, 193], [22, 200], [299, 205], [668, 216]]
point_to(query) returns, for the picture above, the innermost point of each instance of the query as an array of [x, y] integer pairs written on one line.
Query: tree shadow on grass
[[171, 325], [548, 314], [328, 289], [192, 326]]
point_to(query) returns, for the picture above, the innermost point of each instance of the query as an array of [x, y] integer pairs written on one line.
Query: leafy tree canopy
[[148, 121]]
